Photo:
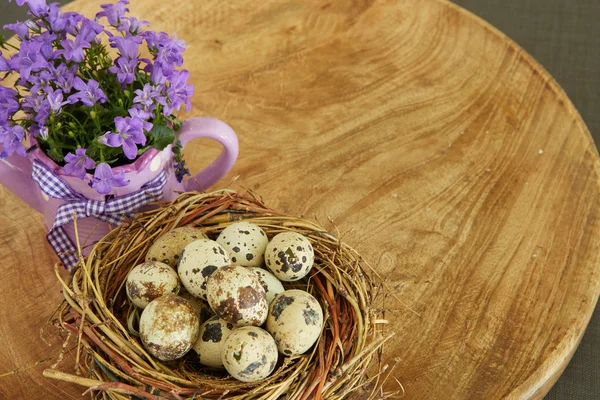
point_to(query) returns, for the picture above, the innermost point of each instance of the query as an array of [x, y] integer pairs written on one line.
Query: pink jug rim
[[134, 167]]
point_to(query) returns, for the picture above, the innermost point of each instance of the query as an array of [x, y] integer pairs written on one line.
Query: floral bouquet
[[92, 94]]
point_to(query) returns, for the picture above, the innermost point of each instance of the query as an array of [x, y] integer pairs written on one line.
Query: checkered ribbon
[[114, 211]]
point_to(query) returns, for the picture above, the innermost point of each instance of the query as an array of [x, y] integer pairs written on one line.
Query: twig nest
[[169, 246], [236, 295], [269, 282], [295, 321], [245, 242], [169, 327], [290, 256], [199, 260], [150, 280], [250, 354], [211, 340]]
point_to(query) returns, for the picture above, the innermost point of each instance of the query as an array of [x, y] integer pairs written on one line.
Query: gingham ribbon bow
[[114, 211]]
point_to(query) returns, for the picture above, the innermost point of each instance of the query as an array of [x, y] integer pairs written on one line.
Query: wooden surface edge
[[551, 370]]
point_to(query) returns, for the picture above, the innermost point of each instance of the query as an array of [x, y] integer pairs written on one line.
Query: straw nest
[[96, 316]]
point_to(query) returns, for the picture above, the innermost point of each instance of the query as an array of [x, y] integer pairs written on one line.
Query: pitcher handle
[[204, 127]]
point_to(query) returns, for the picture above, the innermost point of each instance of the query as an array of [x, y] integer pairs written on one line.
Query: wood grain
[[447, 156]]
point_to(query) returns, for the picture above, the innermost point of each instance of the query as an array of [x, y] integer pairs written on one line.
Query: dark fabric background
[[564, 36]]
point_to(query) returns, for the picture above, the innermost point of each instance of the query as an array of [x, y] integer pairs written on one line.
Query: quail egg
[[236, 295], [199, 260], [169, 246], [202, 308], [245, 242], [169, 327], [211, 339], [290, 256], [150, 280], [249, 354], [295, 321], [269, 282]]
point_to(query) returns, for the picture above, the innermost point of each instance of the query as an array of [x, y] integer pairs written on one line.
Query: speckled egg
[[150, 280], [295, 321], [269, 282], [236, 295], [290, 256], [202, 308], [249, 354], [245, 242], [169, 246], [198, 261], [169, 327], [211, 341]]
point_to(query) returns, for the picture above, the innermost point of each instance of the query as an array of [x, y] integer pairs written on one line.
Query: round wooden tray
[[445, 154]]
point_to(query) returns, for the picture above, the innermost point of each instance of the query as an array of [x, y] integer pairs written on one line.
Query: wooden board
[[448, 157]]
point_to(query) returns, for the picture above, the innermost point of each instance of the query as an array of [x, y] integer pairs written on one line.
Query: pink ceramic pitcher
[[15, 174]]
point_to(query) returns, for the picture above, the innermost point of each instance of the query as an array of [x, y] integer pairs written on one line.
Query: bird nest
[[96, 315]]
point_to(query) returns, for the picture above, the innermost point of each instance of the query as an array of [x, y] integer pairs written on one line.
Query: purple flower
[[3, 63], [89, 30], [143, 116], [20, 29], [8, 103], [130, 132], [181, 171], [88, 94], [73, 50], [113, 12], [143, 112], [169, 52], [56, 18], [37, 130], [64, 77], [37, 8], [28, 59], [104, 179], [12, 141], [156, 74], [55, 100], [178, 92], [131, 27], [36, 106], [145, 96], [40, 82], [124, 69], [155, 39], [77, 163], [127, 47]]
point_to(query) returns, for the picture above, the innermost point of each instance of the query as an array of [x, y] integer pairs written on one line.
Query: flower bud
[[127, 93], [72, 124], [71, 134], [93, 114], [120, 102]]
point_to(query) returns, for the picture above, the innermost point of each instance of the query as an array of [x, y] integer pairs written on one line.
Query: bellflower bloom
[[56, 18], [20, 29], [141, 115], [40, 82], [113, 12], [63, 76], [77, 163], [37, 106], [12, 141], [127, 47], [104, 179], [89, 94], [143, 112], [3, 63], [177, 93], [169, 52], [130, 132], [145, 96], [8, 103], [55, 100], [28, 59], [73, 49], [37, 8], [131, 27], [124, 69]]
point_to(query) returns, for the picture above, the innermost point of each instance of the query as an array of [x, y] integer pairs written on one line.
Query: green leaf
[[162, 136], [55, 154]]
